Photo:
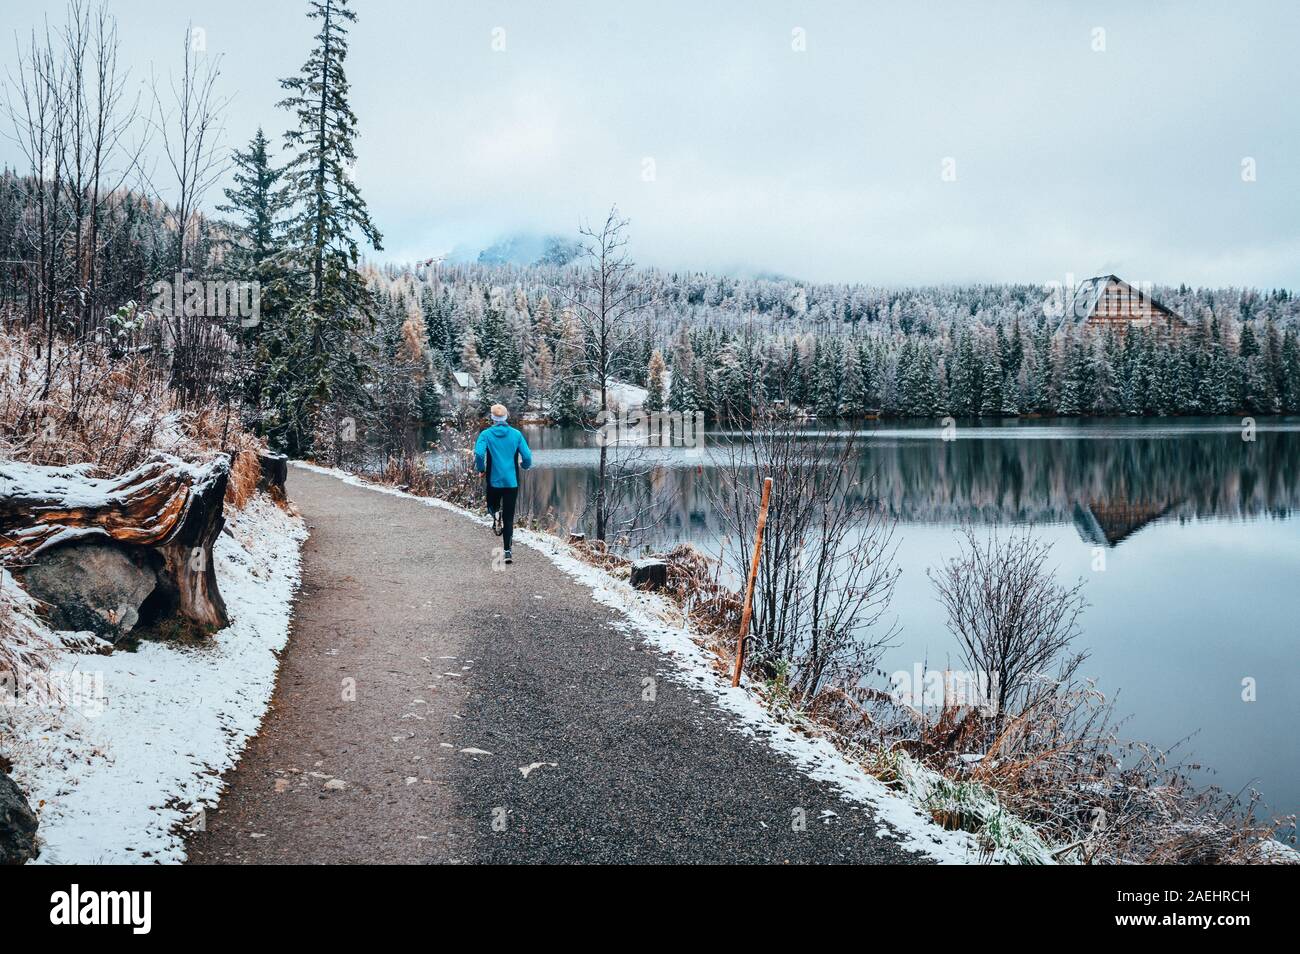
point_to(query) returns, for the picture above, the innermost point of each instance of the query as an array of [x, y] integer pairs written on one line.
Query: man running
[[494, 455]]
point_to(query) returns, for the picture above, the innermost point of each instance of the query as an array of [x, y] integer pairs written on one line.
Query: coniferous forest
[[732, 346]]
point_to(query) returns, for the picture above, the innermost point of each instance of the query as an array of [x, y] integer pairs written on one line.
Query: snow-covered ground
[[656, 620], [623, 395], [119, 773]]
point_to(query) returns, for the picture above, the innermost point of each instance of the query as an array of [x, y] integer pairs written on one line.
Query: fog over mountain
[[807, 140]]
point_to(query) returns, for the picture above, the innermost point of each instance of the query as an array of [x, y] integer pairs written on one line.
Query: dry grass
[[110, 412], [454, 481], [1064, 769], [244, 474], [24, 657], [108, 415]]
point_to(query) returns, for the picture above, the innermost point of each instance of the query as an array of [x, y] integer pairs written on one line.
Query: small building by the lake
[[1107, 302]]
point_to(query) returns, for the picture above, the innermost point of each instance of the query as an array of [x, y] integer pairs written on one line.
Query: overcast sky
[[729, 147]]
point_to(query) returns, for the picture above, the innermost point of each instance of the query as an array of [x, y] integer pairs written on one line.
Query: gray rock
[[17, 825], [650, 573], [92, 586]]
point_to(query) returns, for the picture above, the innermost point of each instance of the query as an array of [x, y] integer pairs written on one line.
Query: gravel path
[[433, 709]]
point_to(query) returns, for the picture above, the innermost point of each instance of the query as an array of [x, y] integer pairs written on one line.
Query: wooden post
[[749, 588]]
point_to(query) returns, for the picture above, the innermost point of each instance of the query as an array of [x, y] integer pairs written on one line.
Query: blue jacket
[[500, 443]]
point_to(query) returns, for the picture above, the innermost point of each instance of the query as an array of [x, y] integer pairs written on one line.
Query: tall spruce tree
[[327, 217], [569, 381], [256, 204], [1290, 361], [991, 384]]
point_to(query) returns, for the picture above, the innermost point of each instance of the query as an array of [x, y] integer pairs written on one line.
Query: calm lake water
[[1201, 586]]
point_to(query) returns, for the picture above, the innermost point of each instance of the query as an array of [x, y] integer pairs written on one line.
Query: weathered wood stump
[[650, 573], [275, 471], [163, 517]]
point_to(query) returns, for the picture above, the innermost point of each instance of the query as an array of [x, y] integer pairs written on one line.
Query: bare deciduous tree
[[190, 128], [606, 297], [37, 114], [64, 101], [1014, 621], [109, 117], [827, 570]]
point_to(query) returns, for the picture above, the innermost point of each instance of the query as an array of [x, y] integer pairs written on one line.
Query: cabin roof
[[463, 379], [1087, 295]]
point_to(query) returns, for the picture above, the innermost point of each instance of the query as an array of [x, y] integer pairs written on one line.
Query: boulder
[[650, 573], [163, 515], [17, 825], [92, 586]]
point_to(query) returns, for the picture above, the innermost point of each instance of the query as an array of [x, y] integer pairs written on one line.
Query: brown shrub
[[93, 407]]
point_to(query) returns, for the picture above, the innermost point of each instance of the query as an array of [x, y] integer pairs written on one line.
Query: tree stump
[[166, 514], [650, 573], [275, 471]]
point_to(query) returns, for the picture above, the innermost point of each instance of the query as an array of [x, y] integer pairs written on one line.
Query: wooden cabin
[[1110, 523], [1107, 302]]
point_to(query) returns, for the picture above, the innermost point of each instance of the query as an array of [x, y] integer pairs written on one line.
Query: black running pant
[[503, 499]]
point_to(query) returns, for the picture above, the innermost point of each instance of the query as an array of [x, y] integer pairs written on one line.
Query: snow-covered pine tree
[[681, 391], [1010, 395], [1106, 387], [961, 394], [1258, 393], [327, 215], [866, 398], [540, 369], [492, 328], [570, 379], [256, 204], [830, 380], [1182, 369], [544, 322], [991, 382], [1031, 384], [503, 378], [1290, 361], [444, 339], [655, 399], [1068, 404], [471, 361], [733, 399]]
